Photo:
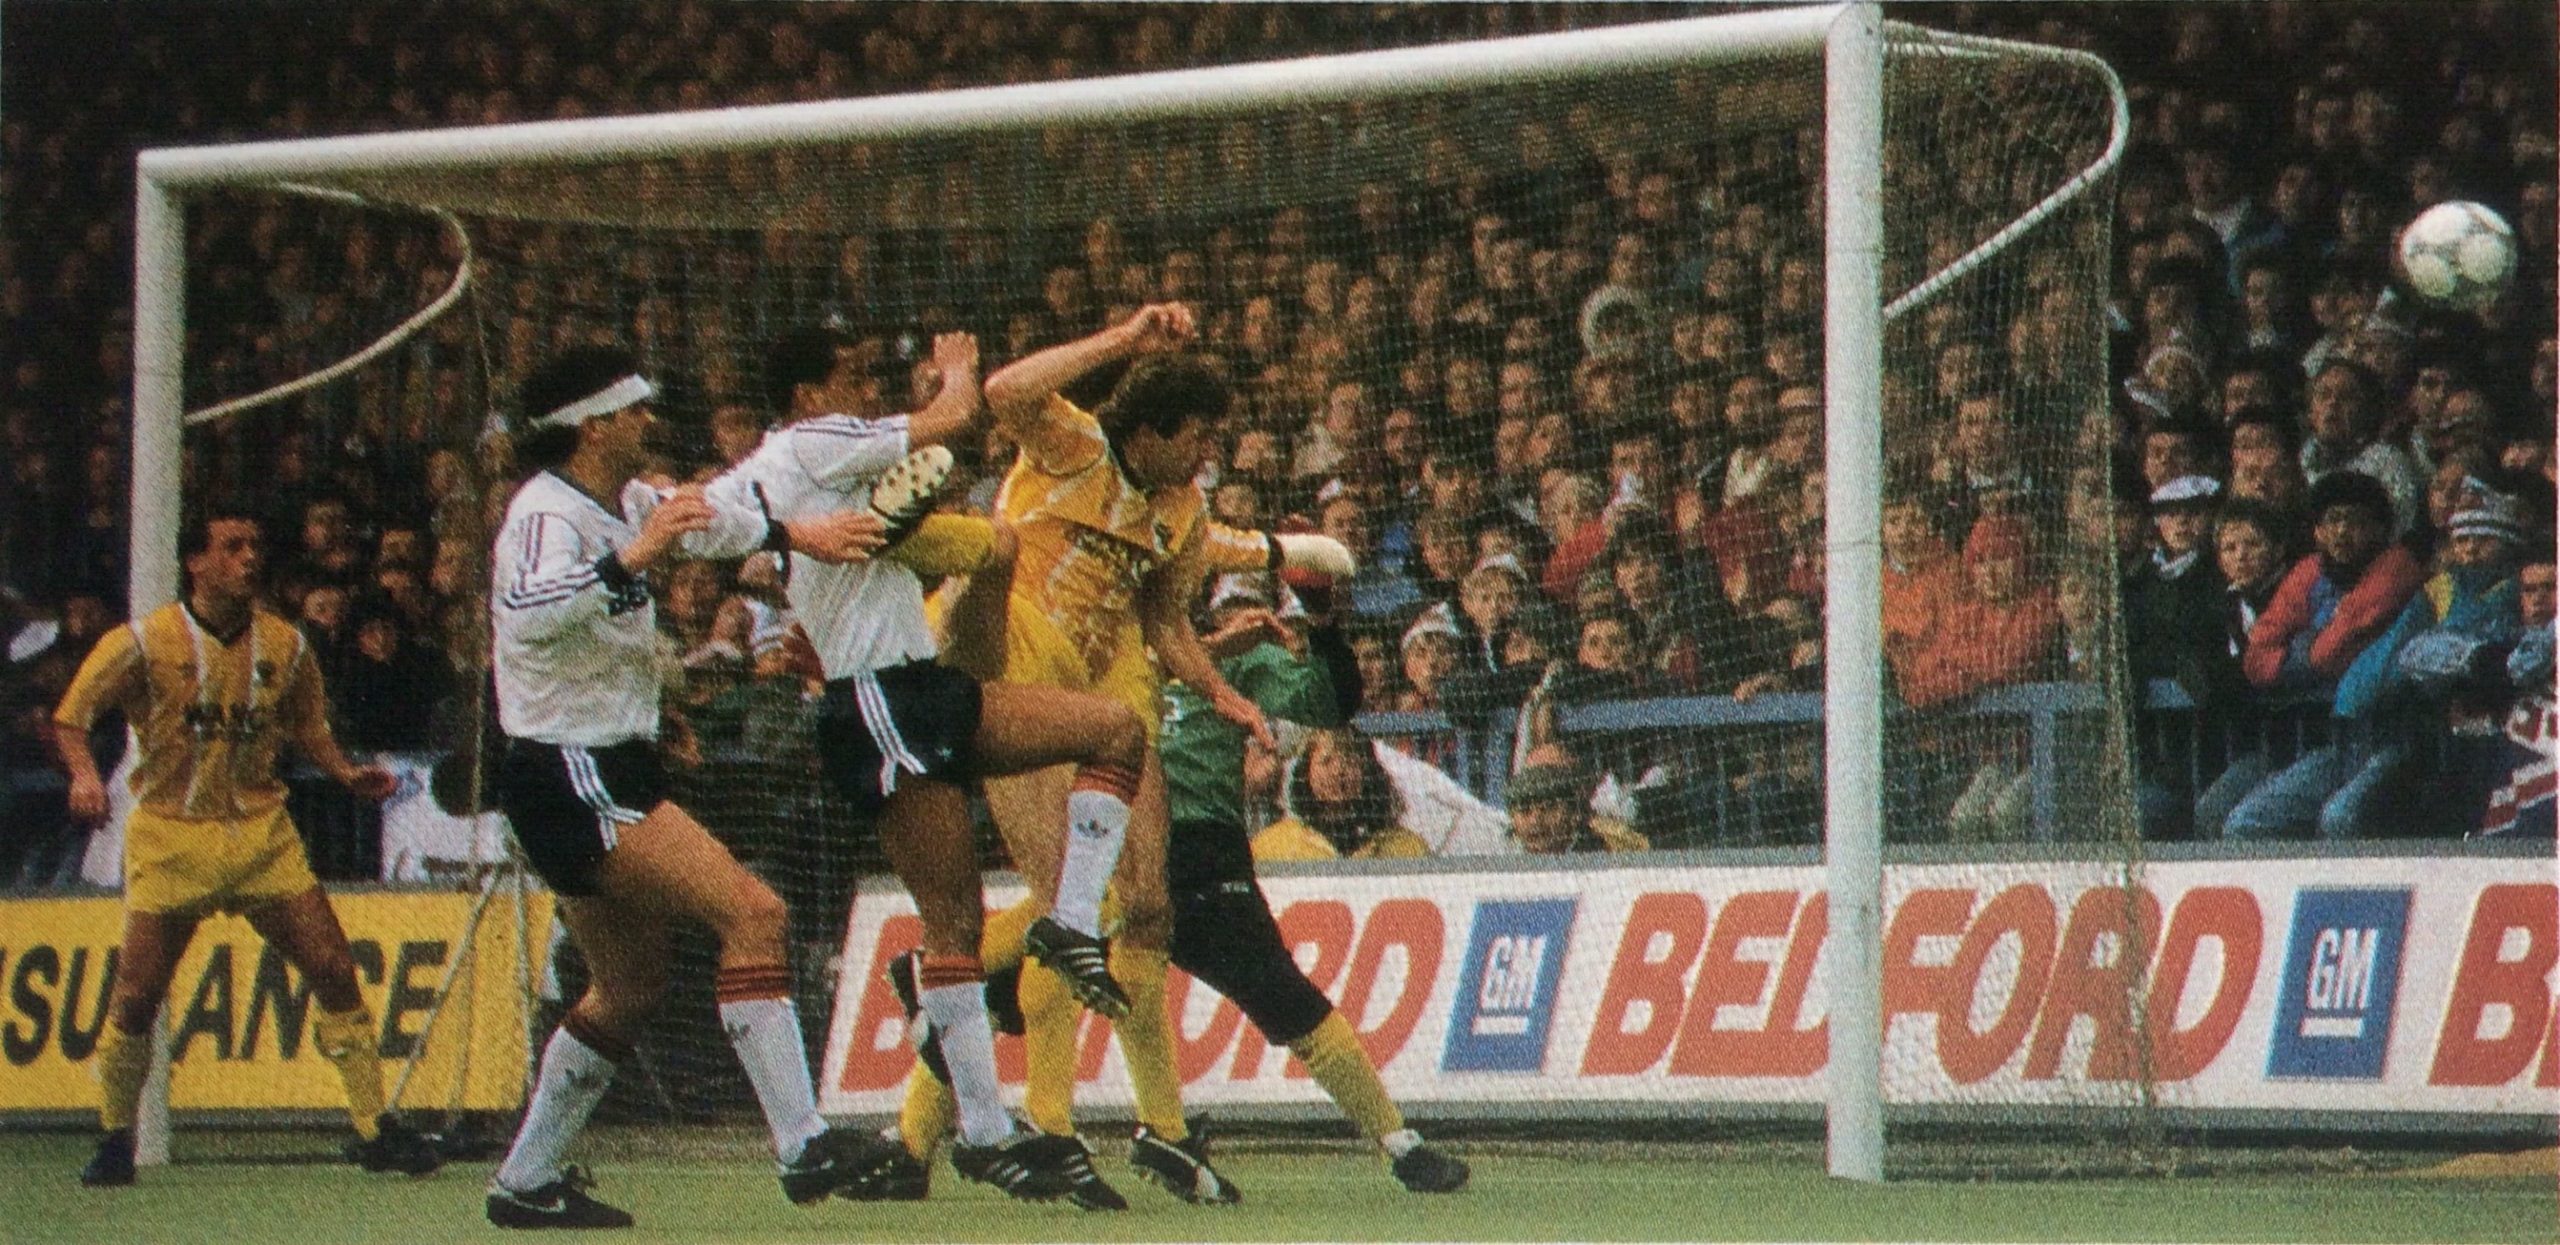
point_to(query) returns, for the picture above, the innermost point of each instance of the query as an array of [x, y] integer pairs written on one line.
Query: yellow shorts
[[1038, 653], [177, 865]]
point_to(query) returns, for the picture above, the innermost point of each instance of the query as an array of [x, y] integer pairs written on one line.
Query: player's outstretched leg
[[1026, 728], [1228, 940], [668, 859]]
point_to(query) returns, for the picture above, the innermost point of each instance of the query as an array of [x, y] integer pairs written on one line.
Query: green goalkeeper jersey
[[1203, 756]]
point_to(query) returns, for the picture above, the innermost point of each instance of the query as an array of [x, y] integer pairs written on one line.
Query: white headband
[[628, 391]]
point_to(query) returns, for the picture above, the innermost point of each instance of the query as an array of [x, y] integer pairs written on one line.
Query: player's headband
[[626, 392]]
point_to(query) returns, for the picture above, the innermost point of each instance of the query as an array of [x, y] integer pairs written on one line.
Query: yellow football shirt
[[1089, 537], [208, 716]]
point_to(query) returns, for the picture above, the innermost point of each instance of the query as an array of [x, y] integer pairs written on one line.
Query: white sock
[[1097, 823], [766, 1035], [1400, 1142], [573, 1080], [959, 1014]]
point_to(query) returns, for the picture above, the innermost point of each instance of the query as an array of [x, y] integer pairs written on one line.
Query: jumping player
[[1114, 543], [902, 735]]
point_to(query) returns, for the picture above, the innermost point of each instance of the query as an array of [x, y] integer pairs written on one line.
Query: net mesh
[[1548, 356]]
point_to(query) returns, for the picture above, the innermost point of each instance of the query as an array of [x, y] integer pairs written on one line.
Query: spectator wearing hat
[[1429, 655], [2331, 607], [1551, 814], [2438, 671], [2174, 624]]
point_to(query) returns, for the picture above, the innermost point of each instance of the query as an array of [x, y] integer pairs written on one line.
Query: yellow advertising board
[[240, 1018]]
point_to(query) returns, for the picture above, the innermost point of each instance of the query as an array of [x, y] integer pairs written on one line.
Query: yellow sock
[[1146, 1040], [1000, 942], [124, 1063], [1334, 1057], [1049, 1050], [345, 1039], [927, 1115]]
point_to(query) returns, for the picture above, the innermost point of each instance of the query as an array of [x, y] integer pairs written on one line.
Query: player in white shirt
[[583, 786], [904, 737]]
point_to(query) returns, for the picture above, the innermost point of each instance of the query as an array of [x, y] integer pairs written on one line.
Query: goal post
[[710, 219], [1853, 480]]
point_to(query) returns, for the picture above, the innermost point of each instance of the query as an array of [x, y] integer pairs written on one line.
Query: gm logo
[[1507, 992], [2341, 979]]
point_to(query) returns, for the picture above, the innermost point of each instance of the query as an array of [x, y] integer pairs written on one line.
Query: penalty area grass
[[713, 1184]]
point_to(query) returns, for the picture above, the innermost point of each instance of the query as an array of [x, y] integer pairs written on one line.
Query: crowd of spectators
[[1566, 407]]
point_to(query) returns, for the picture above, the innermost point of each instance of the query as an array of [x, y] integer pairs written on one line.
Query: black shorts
[[569, 803], [917, 719], [1224, 936]]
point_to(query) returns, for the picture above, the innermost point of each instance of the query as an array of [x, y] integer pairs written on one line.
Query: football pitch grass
[[702, 1185]]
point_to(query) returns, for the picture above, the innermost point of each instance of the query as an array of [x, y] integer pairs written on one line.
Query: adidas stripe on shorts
[[880, 727], [568, 804]]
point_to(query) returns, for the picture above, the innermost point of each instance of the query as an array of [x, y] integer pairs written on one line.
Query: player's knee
[[622, 1010], [1122, 739], [755, 916]]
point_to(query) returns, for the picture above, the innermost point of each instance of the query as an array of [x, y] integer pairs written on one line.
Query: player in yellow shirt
[[1110, 541], [212, 687]]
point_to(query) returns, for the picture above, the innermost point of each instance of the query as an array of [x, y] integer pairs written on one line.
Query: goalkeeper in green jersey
[[1223, 931]]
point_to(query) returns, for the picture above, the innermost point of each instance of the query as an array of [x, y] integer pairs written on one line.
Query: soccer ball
[[2459, 255]]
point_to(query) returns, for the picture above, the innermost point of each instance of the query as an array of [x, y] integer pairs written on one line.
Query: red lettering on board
[[2520, 985], [1636, 977], [2229, 917], [2026, 912], [1725, 978], [2095, 973], [1416, 927], [1909, 985], [876, 1053]]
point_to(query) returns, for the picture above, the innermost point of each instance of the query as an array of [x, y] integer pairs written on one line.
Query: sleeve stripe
[[547, 591], [527, 591]]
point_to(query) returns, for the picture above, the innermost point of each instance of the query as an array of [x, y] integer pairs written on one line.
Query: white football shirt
[[865, 615]]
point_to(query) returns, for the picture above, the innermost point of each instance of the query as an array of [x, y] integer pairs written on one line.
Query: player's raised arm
[[1022, 390], [953, 414]]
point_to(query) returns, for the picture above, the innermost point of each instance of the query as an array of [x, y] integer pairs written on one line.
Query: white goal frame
[[1850, 40]]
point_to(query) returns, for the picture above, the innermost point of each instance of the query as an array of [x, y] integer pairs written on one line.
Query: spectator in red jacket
[[1997, 627], [2331, 606]]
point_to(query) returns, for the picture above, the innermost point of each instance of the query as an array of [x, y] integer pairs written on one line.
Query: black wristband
[[615, 575], [1271, 553], [777, 538]]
